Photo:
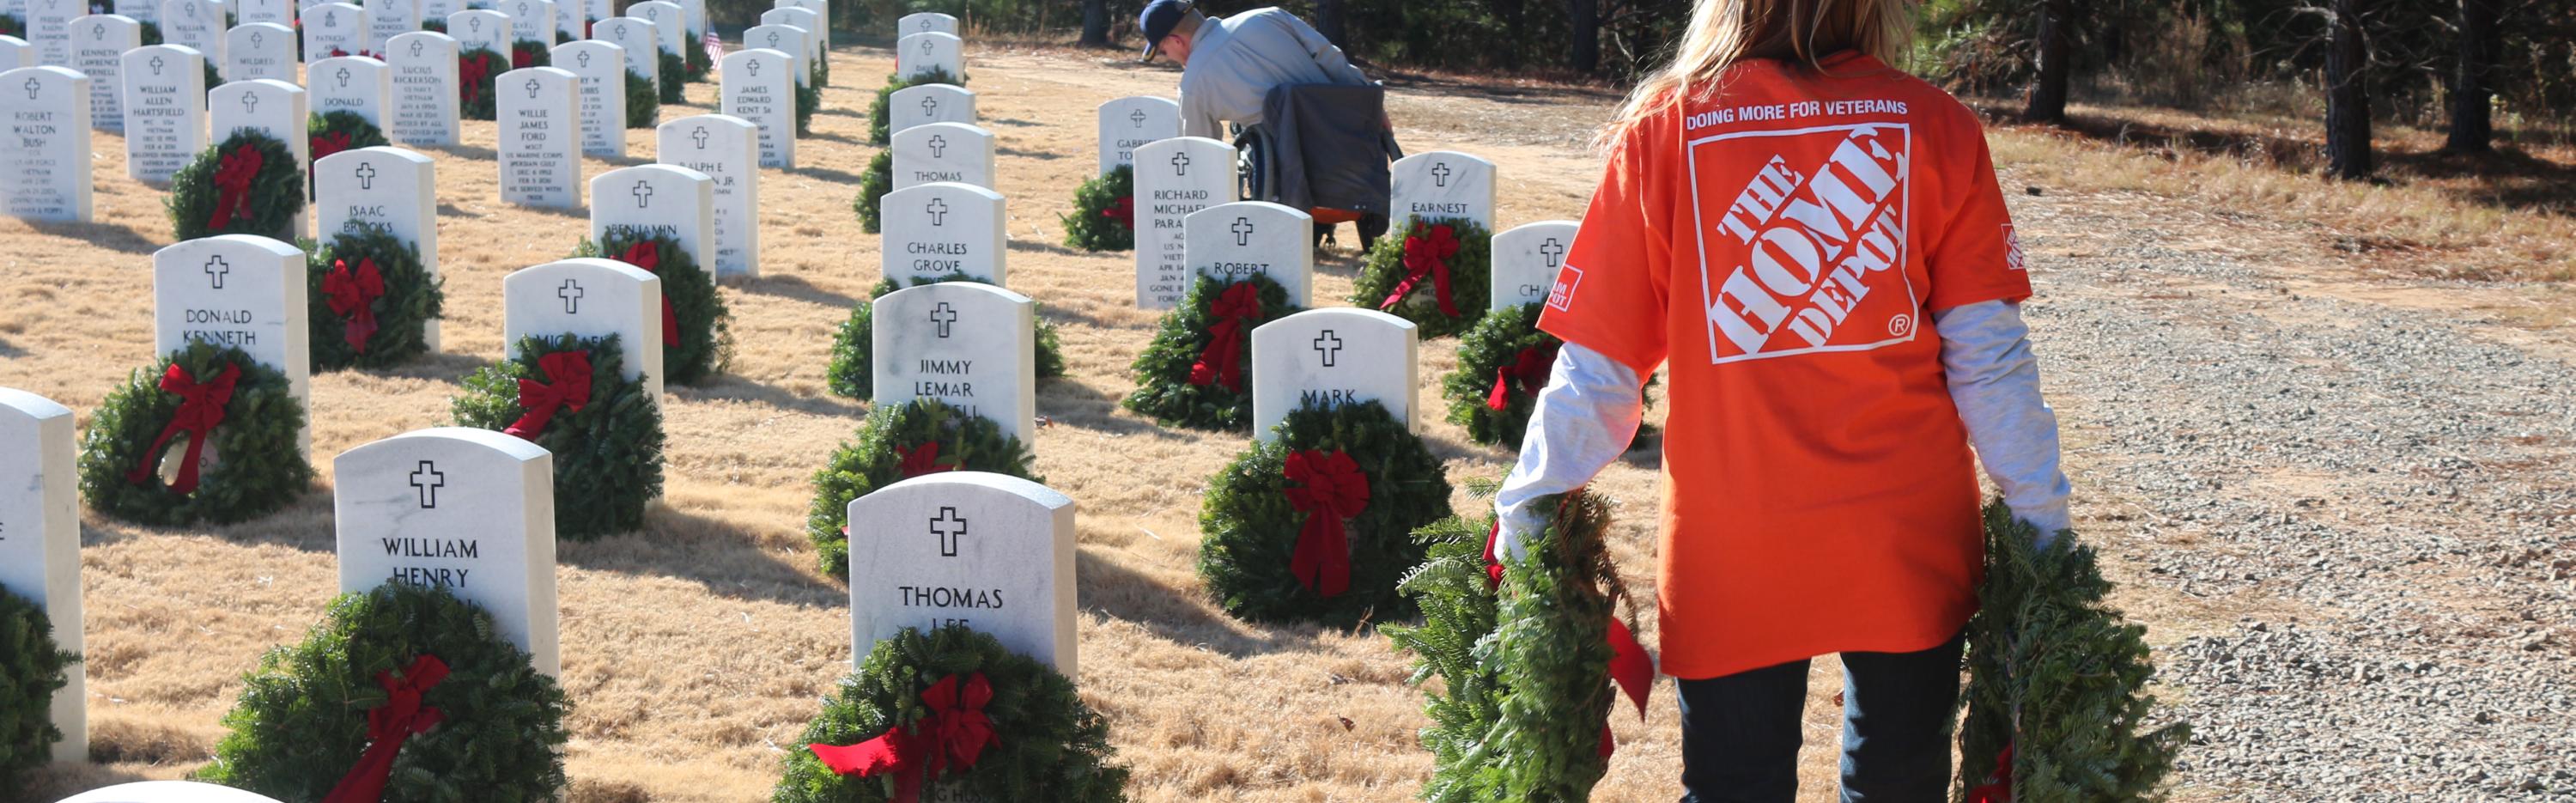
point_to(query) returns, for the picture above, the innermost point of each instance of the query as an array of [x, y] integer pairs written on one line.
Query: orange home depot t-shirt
[[1782, 244]]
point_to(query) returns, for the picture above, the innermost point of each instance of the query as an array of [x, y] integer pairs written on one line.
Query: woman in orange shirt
[[1815, 246]]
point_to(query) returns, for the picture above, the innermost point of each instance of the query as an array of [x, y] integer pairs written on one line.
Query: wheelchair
[[1257, 162]]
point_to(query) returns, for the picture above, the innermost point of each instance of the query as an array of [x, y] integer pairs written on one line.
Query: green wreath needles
[[899, 442], [873, 186], [852, 371], [1253, 527], [695, 51], [341, 130], [369, 300], [32, 668], [675, 78], [608, 454], [1497, 354], [643, 106], [251, 183], [258, 465], [1464, 246], [1104, 213], [706, 326], [1164, 389]]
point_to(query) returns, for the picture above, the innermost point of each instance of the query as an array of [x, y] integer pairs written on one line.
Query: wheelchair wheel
[[1252, 166]]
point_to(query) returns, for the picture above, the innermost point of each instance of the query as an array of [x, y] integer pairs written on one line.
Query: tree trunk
[[2047, 101], [2472, 121], [2347, 99], [1583, 19], [1328, 21], [1514, 16], [1095, 23]]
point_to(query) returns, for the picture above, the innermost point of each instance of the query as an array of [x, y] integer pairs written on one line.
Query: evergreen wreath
[[694, 52], [368, 298], [1038, 740], [1255, 527], [853, 369], [899, 442], [809, 99], [822, 62], [477, 71], [251, 183], [13, 25], [32, 668], [1104, 213], [256, 467], [873, 186], [675, 78], [341, 130], [1505, 350], [1464, 246], [608, 451], [643, 106], [438, 25], [303, 720], [525, 53], [2056, 697], [879, 115], [689, 300], [148, 33], [1171, 385]]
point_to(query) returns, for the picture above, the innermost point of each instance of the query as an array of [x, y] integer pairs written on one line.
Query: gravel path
[[2353, 524]]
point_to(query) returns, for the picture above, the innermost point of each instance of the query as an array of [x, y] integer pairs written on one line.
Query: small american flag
[[715, 46]]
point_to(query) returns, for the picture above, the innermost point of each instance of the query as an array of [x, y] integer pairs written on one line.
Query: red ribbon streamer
[[1124, 211], [232, 183], [570, 371], [353, 296], [1528, 370], [329, 143], [1998, 787], [523, 56], [1333, 490], [388, 726], [955, 733], [919, 460], [645, 255], [1222, 361], [201, 407], [1427, 256], [471, 74]]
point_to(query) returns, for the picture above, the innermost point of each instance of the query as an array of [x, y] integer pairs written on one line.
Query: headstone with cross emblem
[[540, 133], [470, 511], [45, 161], [386, 20], [165, 111], [49, 28], [531, 21], [989, 551], [670, 25], [98, 40], [572, 20], [1526, 260], [40, 541], [272, 107], [929, 103], [383, 186], [359, 85], [258, 50], [822, 20], [242, 291], [590, 297], [16, 53], [696, 21], [1443, 184], [481, 28], [141, 11], [637, 35], [801, 19], [1174, 178], [943, 228], [1337, 355], [245, 12], [794, 41], [438, 10], [758, 87], [1129, 123], [657, 200], [601, 66], [969, 344], [424, 97], [596, 10], [193, 24], [1232, 241], [926, 22], [921, 53], [334, 29], [954, 152], [727, 150]]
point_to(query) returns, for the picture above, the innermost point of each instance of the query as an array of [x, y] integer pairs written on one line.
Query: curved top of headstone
[[601, 185], [949, 481], [509, 446], [372, 153], [719, 120], [1138, 100], [1195, 145], [234, 240], [926, 22], [42, 74], [31, 405], [167, 792]]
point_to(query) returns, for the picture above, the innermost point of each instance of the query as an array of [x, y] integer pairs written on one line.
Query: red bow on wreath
[[570, 371], [201, 407], [1333, 490], [522, 56], [1630, 668], [329, 143], [1528, 371], [353, 295], [232, 184], [645, 255], [1998, 787], [472, 73], [1222, 361], [388, 726], [954, 733], [336, 52], [922, 459], [1427, 256], [1123, 211]]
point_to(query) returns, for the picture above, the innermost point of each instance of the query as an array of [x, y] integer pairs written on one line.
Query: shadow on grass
[[734, 388], [1070, 402], [1178, 615], [727, 559], [121, 239], [793, 287]]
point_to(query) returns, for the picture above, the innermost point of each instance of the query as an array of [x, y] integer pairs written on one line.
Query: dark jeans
[[1740, 733]]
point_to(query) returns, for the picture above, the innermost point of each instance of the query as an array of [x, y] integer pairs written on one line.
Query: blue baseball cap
[[1158, 20]]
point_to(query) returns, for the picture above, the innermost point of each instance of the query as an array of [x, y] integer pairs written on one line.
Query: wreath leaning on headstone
[[525, 53], [1436, 273], [477, 70], [1197, 372], [1503, 362], [437, 25], [13, 25], [873, 186], [695, 54], [953, 715], [643, 107], [1316, 525], [32, 668], [853, 369], [208, 434], [675, 78], [404, 689], [250, 183], [1104, 213], [566, 393], [880, 127], [368, 298], [334, 131], [697, 329], [899, 442], [809, 99]]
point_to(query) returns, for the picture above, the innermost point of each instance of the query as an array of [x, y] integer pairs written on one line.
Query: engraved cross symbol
[[33, 88], [343, 75], [533, 86], [643, 195], [929, 107], [1180, 164], [773, 39], [700, 136], [925, 48], [938, 146], [331, 19], [752, 66], [571, 294], [366, 174], [415, 48], [250, 101], [1553, 250], [475, 23], [945, 317], [948, 526], [156, 65], [584, 58], [1138, 116], [98, 31], [1329, 346], [1440, 174], [215, 270], [938, 210], [1243, 229], [258, 40], [427, 480]]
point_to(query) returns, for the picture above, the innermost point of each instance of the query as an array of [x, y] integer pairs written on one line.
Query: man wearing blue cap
[[1229, 64]]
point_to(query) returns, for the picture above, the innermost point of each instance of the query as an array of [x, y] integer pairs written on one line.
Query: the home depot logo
[[1562, 295], [2012, 250], [1808, 252]]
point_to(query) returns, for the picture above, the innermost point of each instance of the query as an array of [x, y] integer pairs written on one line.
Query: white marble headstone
[[1174, 177], [382, 186], [1336, 355], [670, 25], [969, 344], [929, 103], [657, 199], [387, 19], [1129, 123], [425, 101], [601, 66], [355, 84], [758, 87], [954, 152], [696, 21], [926, 22], [246, 12], [269, 106], [259, 50], [531, 21], [470, 511], [920, 53], [637, 35], [1443, 184], [334, 29], [98, 42], [1232, 241], [933, 230], [989, 551], [437, 10], [242, 291], [40, 541], [596, 10], [572, 20], [590, 297], [822, 26], [165, 110], [788, 39], [540, 132], [49, 27], [167, 792], [45, 171], [143, 11], [16, 53], [481, 28], [197, 25], [805, 19], [1526, 261], [727, 150]]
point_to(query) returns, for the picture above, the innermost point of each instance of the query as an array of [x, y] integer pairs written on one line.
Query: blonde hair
[[1723, 32]]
